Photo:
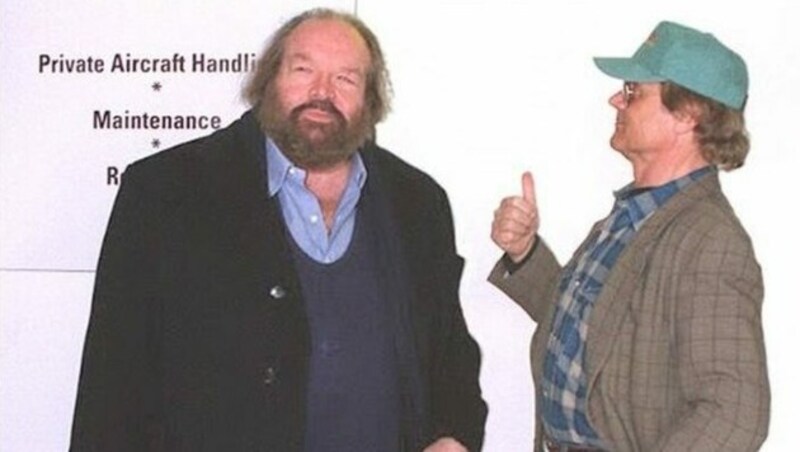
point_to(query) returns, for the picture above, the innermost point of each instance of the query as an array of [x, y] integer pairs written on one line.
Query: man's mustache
[[319, 104]]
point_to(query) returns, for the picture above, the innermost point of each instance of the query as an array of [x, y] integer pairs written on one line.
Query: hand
[[446, 445], [516, 221]]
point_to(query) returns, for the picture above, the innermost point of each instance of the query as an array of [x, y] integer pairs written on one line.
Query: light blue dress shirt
[[301, 210]]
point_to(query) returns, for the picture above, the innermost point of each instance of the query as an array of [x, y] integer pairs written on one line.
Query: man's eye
[[347, 79]]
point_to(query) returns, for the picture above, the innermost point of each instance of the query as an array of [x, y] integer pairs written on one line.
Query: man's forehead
[[324, 30], [328, 39]]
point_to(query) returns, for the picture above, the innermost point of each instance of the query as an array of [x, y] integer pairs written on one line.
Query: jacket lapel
[[260, 251], [395, 282]]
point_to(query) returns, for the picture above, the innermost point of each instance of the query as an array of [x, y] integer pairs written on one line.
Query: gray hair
[[378, 90], [720, 130]]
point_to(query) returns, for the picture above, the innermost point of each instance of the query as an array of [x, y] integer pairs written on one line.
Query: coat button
[[277, 292], [270, 376]]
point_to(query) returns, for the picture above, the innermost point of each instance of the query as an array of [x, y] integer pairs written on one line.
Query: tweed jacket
[[198, 338], [675, 355]]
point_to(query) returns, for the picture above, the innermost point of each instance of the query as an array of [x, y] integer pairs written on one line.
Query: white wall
[[484, 90]]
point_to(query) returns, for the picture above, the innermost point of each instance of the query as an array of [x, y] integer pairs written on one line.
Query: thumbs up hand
[[516, 221]]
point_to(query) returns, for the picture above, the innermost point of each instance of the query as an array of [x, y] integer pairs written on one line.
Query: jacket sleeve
[[116, 406], [531, 285], [720, 348]]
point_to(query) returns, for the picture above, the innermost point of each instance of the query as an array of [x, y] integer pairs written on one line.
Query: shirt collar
[[279, 167], [640, 203]]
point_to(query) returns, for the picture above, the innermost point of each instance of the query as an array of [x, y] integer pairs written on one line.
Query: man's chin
[[319, 143], [622, 150], [616, 144], [320, 159], [315, 133]]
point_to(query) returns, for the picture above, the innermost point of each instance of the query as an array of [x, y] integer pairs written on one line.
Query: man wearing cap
[[650, 337]]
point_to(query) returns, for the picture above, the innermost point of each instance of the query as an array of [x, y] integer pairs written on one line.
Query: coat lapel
[[259, 249], [395, 283]]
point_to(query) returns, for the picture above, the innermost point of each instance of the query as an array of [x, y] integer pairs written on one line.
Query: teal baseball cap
[[687, 57]]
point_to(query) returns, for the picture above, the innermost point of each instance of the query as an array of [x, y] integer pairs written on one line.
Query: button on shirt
[[302, 213], [563, 397]]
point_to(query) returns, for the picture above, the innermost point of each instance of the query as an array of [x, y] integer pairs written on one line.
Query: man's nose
[[617, 100], [322, 88]]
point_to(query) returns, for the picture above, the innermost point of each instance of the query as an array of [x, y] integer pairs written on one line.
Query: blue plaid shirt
[[563, 397]]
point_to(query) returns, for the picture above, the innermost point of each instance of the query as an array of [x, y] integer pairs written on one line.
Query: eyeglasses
[[629, 91]]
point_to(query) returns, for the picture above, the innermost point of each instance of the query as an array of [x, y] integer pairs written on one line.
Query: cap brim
[[626, 69]]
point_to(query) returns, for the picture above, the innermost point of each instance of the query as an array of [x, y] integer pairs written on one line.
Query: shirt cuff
[[512, 266]]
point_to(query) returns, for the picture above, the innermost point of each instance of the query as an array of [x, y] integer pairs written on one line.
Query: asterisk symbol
[[156, 143], [156, 86]]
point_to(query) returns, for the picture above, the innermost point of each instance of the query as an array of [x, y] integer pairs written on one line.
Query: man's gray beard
[[339, 141]]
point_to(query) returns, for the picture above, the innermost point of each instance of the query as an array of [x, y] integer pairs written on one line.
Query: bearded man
[[283, 284]]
